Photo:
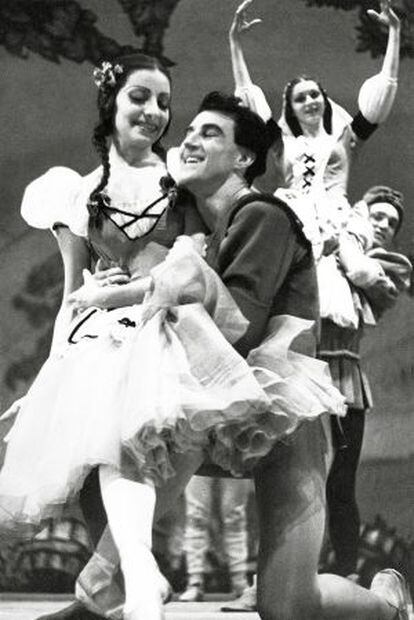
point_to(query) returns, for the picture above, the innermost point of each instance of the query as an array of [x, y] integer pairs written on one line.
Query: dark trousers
[[343, 513]]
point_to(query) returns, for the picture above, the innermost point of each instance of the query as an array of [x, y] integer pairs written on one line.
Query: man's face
[[385, 220], [208, 154]]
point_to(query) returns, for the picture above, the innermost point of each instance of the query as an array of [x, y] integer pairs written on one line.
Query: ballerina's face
[[142, 109], [308, 103]]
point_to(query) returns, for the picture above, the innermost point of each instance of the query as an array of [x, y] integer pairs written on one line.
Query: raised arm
[[239, 25], [390, 19], [377, 94], [251, 95]]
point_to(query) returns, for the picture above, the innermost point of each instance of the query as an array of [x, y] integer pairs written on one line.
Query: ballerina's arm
[[377, 94], [239, 25], [251, 95], [114, 289], [75, 257]]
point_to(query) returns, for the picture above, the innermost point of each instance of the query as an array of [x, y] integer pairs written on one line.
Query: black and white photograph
[[207, 310]]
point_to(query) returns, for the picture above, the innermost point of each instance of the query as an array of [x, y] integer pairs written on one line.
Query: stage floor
[[30, 608]]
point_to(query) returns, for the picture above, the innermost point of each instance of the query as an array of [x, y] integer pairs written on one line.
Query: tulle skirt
[[135, 384], [298, 386]]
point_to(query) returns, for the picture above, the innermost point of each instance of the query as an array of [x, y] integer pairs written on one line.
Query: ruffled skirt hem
[[105, 401]]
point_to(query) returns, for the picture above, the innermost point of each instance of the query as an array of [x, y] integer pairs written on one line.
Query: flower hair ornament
[[105, 75]]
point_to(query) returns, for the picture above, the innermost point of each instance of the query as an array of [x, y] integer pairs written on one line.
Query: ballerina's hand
[[240, 22], [87, 295], [387, 17], [109, 276], [13, 410]]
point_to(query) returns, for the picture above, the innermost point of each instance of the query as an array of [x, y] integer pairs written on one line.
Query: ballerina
[[315, 144], [141, 365]]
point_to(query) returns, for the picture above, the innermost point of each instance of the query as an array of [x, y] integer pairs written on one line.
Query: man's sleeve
[[254, 260], [382, 296]]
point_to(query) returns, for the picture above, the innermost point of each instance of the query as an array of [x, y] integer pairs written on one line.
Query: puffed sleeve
[[56, 198], [376, 97], [254, 98]]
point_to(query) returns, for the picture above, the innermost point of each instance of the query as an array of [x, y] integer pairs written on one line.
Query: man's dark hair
[[250, 131]]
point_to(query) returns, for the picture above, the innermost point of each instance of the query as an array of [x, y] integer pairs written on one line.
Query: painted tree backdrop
[[48, 49], [58, 29]]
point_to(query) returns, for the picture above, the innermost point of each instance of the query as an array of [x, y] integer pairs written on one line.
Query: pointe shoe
[[193, 594], [75, 611], [146, 610], [246, 602], [390, 585]]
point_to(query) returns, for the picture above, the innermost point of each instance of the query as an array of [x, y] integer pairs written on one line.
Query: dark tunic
[[266, 262]]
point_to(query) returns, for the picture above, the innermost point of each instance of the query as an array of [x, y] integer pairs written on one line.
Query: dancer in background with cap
[[382, 275]]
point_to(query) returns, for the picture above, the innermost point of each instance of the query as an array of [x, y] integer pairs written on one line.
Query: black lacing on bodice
[[133, 218]]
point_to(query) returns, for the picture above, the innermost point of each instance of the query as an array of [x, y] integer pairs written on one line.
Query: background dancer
[[315, 143], [382, 275], [233, 497]]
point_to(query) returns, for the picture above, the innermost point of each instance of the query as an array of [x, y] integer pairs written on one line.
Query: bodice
[[137, 226], [139, 253], [318, 164]]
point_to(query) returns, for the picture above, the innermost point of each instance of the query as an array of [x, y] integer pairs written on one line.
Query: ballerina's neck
[[136, 157], [316, 130]]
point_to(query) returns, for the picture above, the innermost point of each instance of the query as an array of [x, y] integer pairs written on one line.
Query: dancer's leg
[[343, 513], [198, 503], [233, 499], [130, 508], [98, 589], [290, 491]]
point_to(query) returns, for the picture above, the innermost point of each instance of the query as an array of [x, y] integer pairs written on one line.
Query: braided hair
[[106, 103], [290, 116]]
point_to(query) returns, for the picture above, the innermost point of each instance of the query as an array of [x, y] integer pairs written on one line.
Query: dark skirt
[[340, 348]]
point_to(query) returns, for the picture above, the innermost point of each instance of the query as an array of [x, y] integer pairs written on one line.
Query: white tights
[[130, 510]]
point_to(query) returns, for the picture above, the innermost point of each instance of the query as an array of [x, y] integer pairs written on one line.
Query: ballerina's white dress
[[316, 174], [130, 385]]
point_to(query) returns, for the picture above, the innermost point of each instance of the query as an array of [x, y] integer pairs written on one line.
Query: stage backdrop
[[48, 110]]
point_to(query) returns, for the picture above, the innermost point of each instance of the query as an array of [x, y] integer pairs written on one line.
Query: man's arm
[[383, 293], [254, 261]]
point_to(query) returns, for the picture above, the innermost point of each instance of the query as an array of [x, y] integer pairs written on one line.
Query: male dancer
[[382, 275], [258, 249]]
